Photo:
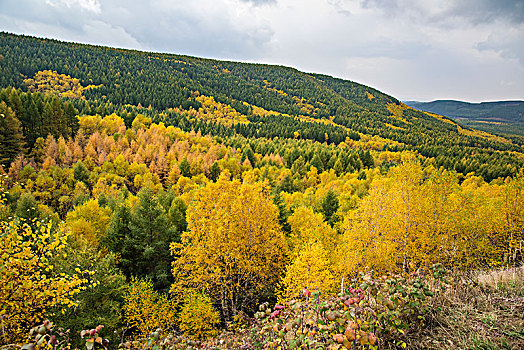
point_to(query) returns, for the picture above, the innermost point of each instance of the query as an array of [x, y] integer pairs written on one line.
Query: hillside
[[501, 116], [255, 100]]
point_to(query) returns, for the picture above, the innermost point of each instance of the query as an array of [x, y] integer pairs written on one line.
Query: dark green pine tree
[[317, 163], [329, 207], [27, 207], [248, 153], [366, 158], [15, 103], [177, 215], [283, 213], [118, 238], [11, 137], [214, 171], [54, 118], [299, 167], [287, 184], [332, 161], [185, 168], [354, 163], [30, 120], [71, 113], [152, 235], [80, 172], [338, 167]]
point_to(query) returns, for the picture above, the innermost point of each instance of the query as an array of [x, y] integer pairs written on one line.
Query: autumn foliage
[[233, 249], [53, 82], [29, 288], [146, 310], [198, 317]]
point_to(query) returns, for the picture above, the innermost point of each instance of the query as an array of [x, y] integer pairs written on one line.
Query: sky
[[470, 50]]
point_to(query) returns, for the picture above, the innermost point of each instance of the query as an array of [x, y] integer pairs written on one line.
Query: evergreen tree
[[11, 137], [299, 167], [151, 235], [214, 171], [177, 215], [15, 103], [185, 168], [30, 120], [248, 153], [366, 158], [118, 238], [317, 163], [329, 207], [287, 184], [338, 167], [71, 119], [80, 172], [283, 213], [27, 207]]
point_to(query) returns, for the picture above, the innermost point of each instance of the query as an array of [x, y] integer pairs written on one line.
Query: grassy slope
[[482, 311]]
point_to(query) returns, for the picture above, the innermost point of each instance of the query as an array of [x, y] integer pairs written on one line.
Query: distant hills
[[500, 116]]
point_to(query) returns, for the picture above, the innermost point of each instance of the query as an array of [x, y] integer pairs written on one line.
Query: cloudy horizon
[[470, 50]]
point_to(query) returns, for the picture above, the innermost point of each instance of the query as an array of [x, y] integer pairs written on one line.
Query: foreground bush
[[146, 309], [29, 288], [380, 311], [198, 318], [431, 311]]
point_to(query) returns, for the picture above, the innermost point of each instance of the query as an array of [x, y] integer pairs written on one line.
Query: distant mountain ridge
[[506, 117], [498, 110]]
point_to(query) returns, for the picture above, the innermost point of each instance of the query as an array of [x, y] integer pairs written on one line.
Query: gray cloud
[[482, 11], [508, 43], [260, 2], [200, 27], [476, 11]]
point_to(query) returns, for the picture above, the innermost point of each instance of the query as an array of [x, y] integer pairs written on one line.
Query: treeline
[[41, 114]]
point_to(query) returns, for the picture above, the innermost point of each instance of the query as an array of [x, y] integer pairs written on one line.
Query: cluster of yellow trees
[[48, 81], [414, 217], [214, 110], [411, 218], [234, 248]]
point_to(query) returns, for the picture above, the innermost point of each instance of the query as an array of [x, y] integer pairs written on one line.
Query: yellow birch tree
[[234, 249]]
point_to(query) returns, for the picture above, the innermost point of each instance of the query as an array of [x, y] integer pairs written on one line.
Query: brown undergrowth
[[478, 311]]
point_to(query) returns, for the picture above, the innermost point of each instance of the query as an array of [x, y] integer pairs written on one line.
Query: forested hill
[[499, 116], [252, 100]]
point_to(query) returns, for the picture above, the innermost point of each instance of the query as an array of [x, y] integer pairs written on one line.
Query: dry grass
[[501, 277], [477, 311]]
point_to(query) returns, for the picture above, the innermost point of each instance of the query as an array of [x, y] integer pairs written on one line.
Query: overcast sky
[[470, 50]]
